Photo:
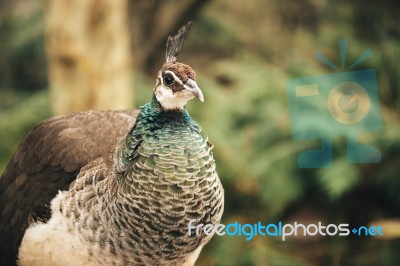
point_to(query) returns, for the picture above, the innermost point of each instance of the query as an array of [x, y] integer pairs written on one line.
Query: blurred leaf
[[338, 179]]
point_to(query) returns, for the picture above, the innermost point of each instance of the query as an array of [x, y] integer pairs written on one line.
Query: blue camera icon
[[339, 104]]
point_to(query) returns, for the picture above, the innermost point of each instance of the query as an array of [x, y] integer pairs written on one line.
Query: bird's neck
[[155, 111], [153, 120]]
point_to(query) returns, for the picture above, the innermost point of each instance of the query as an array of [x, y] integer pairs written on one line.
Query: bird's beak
[[191, 86]]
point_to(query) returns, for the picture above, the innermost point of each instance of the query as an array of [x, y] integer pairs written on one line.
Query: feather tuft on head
[[174, 43]]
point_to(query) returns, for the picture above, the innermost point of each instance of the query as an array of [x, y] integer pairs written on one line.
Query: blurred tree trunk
[[89, 55]]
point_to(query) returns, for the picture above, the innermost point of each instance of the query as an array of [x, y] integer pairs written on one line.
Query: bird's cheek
[[185, 94]]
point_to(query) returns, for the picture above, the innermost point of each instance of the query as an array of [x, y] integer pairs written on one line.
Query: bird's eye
[[168, 80]]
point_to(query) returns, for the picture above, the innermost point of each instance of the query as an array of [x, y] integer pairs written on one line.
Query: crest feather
[[174, 43]]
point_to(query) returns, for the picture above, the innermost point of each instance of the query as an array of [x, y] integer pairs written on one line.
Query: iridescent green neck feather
[[153, 123]]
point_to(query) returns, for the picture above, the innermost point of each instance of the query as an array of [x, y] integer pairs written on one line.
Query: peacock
[[114, 187]]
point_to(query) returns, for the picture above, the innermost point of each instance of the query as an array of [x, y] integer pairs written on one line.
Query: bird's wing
[[48, 160]]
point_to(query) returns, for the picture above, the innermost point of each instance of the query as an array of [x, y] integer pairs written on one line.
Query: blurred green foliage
[[243, 53]]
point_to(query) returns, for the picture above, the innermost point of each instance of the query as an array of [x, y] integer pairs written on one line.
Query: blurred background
[[62, 56]]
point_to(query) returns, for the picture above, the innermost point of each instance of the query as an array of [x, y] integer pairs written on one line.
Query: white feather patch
[[170, 100], [54, 243]]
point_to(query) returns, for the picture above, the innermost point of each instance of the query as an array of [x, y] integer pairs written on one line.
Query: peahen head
[[176, 82]]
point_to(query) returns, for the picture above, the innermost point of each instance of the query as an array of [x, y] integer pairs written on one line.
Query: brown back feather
[[48, 160]]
